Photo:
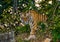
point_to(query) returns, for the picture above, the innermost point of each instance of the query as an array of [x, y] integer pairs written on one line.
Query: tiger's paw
[[30, 37]]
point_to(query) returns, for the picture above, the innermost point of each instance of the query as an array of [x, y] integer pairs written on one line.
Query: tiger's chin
[[30, 37]]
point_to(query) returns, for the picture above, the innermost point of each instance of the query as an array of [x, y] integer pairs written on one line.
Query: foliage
[[9, 20], [5, 4], [56, 28], [52, 10], [25, 5], [22, 29], [42, 26]]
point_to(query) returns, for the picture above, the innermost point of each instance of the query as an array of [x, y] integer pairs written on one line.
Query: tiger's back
[[38, 17]]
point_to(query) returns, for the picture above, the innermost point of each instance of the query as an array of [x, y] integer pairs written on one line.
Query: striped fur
[[36, 17]]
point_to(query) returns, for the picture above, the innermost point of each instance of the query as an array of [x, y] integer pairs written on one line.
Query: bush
[[22, 29]]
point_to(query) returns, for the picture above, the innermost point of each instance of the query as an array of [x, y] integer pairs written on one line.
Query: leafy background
[[10, 19]]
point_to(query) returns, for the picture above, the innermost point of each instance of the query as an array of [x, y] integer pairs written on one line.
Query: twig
[[55, 10]]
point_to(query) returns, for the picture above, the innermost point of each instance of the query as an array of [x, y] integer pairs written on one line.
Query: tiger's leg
[[33, 32]]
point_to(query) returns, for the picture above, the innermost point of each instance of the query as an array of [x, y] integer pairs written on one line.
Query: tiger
[[32, 17]]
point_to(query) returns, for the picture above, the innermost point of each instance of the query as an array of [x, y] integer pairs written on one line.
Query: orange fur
[[36, 18]]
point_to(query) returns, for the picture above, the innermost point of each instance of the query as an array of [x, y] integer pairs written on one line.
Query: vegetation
[[10, 20]]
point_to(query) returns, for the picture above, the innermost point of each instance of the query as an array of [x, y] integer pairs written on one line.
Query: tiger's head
[[27, 17], [24, 17]]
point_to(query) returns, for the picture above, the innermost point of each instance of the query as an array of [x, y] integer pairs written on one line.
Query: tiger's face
[[24, 17]]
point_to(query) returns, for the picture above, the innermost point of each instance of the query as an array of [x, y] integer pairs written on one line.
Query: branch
[[55, 10]]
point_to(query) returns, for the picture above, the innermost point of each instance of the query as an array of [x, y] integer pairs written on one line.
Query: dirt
[[39, 38]]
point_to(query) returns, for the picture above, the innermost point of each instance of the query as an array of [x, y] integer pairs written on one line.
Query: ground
[[39, 37]]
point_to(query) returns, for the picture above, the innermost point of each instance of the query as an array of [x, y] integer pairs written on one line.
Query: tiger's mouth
[[24, 21]]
